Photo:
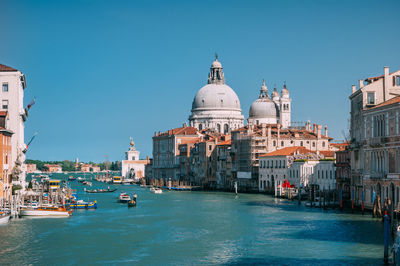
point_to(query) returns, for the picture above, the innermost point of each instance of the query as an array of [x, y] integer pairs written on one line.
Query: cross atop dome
[[216, 75]]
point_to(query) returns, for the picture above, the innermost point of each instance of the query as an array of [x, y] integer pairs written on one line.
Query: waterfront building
[[296, 167], [5, 159], [13, 84], [53, 168], [86, 168], [224, 165], [166, 151], [132, 166], [185, 167], [343, 170], [374, 133], [216, 105], [253, 140], [271, 110], [204, 159], [30, 168]]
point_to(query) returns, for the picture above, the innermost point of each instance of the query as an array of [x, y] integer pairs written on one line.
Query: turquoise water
[[181, 228]]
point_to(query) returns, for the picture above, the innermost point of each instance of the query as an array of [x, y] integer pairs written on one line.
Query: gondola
[[132, 203], [100, 190]]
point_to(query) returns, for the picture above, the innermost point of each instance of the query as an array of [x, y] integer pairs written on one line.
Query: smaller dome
[[263, 108], [285, 92], [275, 94], [216, 64]]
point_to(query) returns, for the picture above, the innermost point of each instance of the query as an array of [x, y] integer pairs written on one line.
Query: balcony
[[393, 176]]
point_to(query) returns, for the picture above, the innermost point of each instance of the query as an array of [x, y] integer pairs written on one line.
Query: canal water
[[186, 228]]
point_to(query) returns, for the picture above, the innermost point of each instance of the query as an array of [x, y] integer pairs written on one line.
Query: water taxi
[[4, 218], [80, 204], [54, 184], [124, 198], [46, 211], [117, 179]]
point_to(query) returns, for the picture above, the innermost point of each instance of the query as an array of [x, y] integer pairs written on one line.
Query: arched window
[[282, 143], [323, 144], [274, 143], [301, 143], [200, 127], [219, 128], [226, 129]]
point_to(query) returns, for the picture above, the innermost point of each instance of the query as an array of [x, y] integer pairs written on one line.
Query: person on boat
[[135, 197]]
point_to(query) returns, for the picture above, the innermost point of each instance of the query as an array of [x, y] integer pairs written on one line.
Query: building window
[[210, 147], [5, 104], [371, 98], [5, 87], [397, 123], [274, 143], [282, 143], [301, 143], [323, 144], [313, 144], [200, 127], [397, 80]]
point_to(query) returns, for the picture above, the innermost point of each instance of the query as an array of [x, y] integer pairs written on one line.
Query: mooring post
[[362, 202], [386, 239], [352, 200], [299, 191]]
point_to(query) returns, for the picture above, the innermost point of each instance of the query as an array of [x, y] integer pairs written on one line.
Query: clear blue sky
[[106, 70]]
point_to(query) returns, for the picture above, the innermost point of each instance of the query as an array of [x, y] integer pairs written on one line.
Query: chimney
[[263, 129], [386, 70], [314, 128], [326, 131], [353, 88], [184, 125], [319, 127], [360, 83], [147, 159]]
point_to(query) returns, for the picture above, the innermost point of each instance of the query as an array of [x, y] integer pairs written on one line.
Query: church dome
[[216, 96], [263, 108], [216, 64]]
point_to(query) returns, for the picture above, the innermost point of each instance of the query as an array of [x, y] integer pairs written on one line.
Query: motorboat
[[4, 218], [80, 204], [71, 178], [46, 211], [87, 183], [155, 190], [124, 198]]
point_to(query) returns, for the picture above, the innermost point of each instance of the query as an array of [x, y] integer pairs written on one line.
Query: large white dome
[[216, 105], [216, 97]]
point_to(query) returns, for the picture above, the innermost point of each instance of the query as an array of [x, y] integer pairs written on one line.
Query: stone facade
[[13, 84], [374, 132], [132, 167]]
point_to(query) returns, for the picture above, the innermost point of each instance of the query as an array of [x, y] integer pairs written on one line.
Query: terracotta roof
[[391, 101], [225, 143], [341, 146], [179, 131], [4, 68], [372, 79], [326, 154], [288, 151]]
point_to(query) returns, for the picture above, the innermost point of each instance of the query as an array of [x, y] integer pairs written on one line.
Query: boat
[[132, 203], [46, 211], [80, 204], [156, 190], [71, 178], [80, 179], [4, 218], [128, 181], [124, 198], [100, 190], [117, 179], [87, 183]]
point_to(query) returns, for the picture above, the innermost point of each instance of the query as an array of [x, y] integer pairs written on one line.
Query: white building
[[271, 110], [297, 166], [132, 166], [13, 84], [216, 105]]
